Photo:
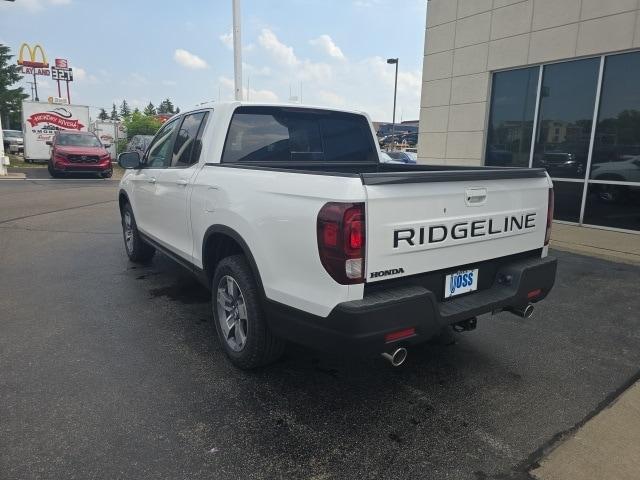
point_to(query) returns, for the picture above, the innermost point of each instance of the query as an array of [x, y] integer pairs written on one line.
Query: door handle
[[182, 182], [151, 180]]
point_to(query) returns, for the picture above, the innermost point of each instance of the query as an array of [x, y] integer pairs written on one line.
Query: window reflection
[[616, 150], [568, 199], [513, 99], [567, 99], [613, 205]]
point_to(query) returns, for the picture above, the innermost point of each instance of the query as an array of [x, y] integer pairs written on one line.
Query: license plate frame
[[464, 281]]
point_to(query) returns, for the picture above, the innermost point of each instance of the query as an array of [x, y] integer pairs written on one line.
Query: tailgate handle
[[475, 196]]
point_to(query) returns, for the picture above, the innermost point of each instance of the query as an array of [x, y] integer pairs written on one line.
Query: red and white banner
[[55, 119], [62, 63]]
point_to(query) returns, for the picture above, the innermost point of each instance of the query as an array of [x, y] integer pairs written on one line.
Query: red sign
[[54, 119], [62, 63]]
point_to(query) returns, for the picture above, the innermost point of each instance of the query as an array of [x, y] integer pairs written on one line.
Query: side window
[[186, 149], [159, 153]]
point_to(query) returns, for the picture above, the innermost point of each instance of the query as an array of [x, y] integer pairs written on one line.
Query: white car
[[302, 234]]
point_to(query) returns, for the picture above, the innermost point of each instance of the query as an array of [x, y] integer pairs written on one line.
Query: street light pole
[[237, 50], [394, 61]]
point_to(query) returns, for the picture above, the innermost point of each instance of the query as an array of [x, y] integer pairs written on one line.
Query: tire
[[260, 346], [106, 174], [52, 171], [137, 249]]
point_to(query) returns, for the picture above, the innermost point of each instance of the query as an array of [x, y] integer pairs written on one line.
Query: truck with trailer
[[40, 122]]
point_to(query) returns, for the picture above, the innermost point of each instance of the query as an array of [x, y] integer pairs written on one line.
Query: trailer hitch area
[[465, 325]]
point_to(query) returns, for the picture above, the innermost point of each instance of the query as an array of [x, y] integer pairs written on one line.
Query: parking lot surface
[[110, 370]]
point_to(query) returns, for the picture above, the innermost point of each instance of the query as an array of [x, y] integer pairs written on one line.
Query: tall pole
[[68, 94], [237, 49], [35, 84], [395, 61], [395, 96]]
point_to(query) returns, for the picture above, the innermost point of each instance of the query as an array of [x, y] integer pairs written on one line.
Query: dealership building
[[540, 83]]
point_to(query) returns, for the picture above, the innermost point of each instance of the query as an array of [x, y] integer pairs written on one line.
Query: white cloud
[[81, 75], [328, 46], [282, 53], [189, 60], [257, 71], [227, 40], [254, 95], [331, 99], [35, 6]]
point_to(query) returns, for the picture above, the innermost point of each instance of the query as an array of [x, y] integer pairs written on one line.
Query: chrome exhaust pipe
[[397, 357], [525, 311]]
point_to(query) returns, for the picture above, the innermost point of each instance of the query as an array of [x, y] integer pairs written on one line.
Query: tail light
[[547, 236], [341, 241]]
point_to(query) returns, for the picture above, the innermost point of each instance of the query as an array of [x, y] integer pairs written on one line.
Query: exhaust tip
[[528, 311], [525, 311], [397, 357]]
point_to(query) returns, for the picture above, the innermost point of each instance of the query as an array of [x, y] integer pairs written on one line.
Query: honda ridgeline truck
[[302, 234]]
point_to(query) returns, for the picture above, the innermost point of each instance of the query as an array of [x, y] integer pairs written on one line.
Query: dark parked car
[[78, 152]]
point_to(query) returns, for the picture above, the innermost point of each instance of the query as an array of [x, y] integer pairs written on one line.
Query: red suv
[[78, 152]]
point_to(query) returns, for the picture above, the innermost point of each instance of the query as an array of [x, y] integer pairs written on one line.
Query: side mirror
[[49, 142], [106, 145], [129, 160]]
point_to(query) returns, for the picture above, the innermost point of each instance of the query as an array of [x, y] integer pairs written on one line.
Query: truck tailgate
[[418, 224]]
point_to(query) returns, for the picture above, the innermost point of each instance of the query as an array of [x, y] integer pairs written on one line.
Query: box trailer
[[109, 132], [41, 120]]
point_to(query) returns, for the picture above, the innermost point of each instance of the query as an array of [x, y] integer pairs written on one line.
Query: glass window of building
[[616, 148], [567, 100], [513, 99]]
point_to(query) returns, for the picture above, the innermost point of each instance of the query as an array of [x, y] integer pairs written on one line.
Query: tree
[[136, 110], [114, 113], [139, 124], [103, 115], [166, 107], [10, 98], [125, 111], [150, 109]]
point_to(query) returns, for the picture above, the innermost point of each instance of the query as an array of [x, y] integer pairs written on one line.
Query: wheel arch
[[123, 198], [220, 242]]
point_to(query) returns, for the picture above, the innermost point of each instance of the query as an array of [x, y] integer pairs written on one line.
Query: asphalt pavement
[[110, 370]]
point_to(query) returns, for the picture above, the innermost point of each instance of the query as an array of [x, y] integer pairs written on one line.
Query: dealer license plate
[[460, 282]]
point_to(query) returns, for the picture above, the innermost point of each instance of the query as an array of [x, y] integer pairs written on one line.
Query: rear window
[[272, 134]]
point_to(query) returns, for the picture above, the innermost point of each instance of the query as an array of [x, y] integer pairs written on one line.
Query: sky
[[329, 52]]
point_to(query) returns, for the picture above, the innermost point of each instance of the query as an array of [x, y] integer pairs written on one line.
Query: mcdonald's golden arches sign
[[34, 63]]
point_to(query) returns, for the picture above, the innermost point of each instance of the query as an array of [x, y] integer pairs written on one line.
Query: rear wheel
[[137, 249], [240, 321]]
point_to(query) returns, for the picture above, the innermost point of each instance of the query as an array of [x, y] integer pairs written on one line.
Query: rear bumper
[[360, 326]]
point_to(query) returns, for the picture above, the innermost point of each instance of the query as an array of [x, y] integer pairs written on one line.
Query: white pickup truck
[[302, 234]]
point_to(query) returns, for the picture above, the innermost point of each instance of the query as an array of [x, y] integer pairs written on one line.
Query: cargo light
[[534, 293], [400, 335], [341, 241]]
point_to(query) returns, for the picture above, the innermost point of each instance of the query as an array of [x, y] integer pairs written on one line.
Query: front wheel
[[240, 321], [137, 249], [52, 171]]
